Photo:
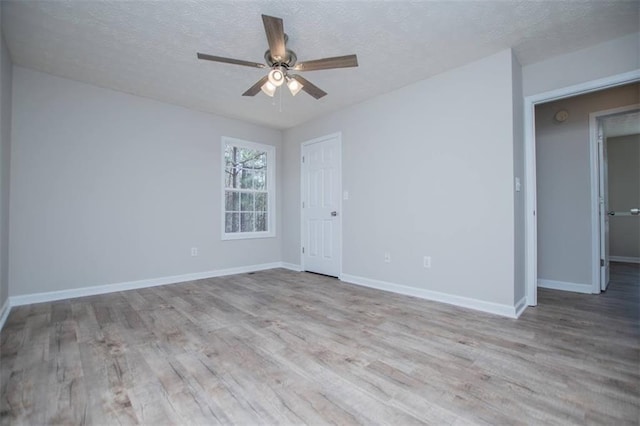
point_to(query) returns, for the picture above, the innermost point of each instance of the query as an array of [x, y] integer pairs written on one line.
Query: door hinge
[[302, 250], [601, 262], [303, 204], [303, 158]]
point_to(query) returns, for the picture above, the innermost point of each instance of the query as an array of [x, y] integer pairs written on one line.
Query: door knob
[[334, 213], [635, 212]]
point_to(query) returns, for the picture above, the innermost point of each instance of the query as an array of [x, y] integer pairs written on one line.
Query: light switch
[[518, 185], [345, 195]]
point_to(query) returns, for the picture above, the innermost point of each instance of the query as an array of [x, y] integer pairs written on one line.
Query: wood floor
[[279, 347]]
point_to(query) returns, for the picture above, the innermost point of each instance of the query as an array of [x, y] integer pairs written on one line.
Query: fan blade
[[255, 89], [275, 36], [230, 61], [328, 63], [309, 87]]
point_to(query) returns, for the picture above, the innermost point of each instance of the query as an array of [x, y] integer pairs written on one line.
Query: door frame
[[531, 226], [338, 136], [597, 184]]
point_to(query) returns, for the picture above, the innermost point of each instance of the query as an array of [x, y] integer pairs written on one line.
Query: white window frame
[[271, 189]]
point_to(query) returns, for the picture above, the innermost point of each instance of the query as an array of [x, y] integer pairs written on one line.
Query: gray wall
[[429, 169], [108, 187], [518, 171], [563, 183], [5, 161], [613, 57], [624, 194]]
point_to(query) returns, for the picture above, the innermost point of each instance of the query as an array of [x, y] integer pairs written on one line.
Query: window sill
[[247, 235]]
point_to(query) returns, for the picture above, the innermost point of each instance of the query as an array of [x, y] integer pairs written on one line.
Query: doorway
[[617, 195], [322, 205], [531, 202]]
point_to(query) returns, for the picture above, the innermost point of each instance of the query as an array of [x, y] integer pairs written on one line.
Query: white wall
[[5, 161], [564, 186], [429, 169], [108, 187], [624, 194], [613, 57]]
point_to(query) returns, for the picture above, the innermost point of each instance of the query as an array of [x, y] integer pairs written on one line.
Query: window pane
[[228, 221], [232, 201], [228, 156], [246, 202], [246, 191], [246, 222], [261, 201], [254, 159], [259, 180], [261, 222], [232, 222], [230, 166], [232, 178], [246, 179]]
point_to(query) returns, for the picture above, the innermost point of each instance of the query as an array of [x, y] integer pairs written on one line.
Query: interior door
[[321, 203], [604, 208]]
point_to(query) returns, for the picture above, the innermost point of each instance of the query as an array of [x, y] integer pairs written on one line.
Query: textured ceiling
[[149, 48]]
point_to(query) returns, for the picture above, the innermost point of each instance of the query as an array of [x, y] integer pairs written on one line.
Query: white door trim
[[597, 179], [338, 136], [531, 231]]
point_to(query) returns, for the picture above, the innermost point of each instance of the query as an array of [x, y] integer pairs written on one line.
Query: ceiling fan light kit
[[280, 60], [276, 77], [294, 85], [268, 89]]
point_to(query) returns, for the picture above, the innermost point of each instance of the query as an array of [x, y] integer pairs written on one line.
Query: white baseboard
[[624, 259], [291, 266], [565, 286], [465, 302], [4, 312], [51, 296], [521, 306]]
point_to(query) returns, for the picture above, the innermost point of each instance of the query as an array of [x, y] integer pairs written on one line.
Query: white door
[[604, 208], [321, 205]]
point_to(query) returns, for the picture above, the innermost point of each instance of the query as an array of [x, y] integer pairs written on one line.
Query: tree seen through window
[[246, 194]]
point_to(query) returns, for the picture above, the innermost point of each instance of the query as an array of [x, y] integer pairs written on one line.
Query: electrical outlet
[[427, 262], [194, 251], [387, 257]]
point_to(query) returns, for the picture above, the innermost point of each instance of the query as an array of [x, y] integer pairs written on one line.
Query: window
[[248, 175]]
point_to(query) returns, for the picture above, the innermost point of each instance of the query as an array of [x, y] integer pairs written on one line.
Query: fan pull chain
[[281, 90]]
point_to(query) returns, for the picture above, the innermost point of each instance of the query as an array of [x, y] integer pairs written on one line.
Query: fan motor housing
[[288, 62]]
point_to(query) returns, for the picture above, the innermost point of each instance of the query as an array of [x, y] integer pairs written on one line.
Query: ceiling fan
[[282, 61]]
